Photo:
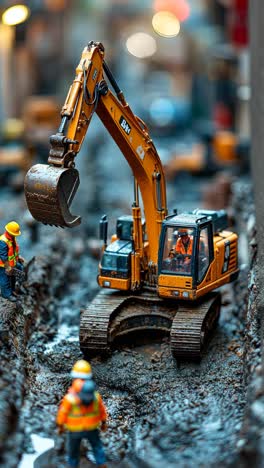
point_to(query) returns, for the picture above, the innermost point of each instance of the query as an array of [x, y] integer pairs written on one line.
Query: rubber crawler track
[[113, 314], [192, 326]]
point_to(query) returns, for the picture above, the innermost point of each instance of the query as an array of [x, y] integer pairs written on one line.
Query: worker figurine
[[184, 247], [9, 259], [82, 413]]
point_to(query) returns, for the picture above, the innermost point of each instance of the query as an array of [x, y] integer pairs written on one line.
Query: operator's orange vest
[[180, 248], [81, 417], [13, 252]]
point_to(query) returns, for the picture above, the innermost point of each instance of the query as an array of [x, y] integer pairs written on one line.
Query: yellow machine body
[[134, 258]]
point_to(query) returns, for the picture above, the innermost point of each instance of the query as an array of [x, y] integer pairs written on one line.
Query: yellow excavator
[[158, 273]]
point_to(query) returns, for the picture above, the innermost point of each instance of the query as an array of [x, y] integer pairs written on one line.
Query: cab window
[[203, 253], [178, 251]]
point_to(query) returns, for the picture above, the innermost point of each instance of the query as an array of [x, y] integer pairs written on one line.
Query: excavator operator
[[184, 248]]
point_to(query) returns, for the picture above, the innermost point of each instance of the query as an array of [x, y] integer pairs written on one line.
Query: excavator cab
[[196, 254]]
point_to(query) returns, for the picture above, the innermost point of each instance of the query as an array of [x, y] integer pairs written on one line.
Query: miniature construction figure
[[184, 246], [82, 412], [9, 260]]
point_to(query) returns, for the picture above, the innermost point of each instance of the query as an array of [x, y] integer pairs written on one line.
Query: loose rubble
[[162, 412]]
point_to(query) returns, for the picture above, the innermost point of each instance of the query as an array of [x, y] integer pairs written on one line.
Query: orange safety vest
[[181, 249], [13, 251], [77, 417]]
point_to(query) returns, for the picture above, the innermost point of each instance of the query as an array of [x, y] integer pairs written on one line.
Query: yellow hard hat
[[81, 370], [13, 228]]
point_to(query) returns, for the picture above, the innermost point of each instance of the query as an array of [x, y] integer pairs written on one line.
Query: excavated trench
[[161, 412]]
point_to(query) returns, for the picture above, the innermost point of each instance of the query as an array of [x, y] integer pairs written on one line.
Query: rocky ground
[[161, 412]]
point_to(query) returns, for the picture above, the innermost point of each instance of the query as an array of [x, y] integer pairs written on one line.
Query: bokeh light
[[141, 45], [15, 15], [161, 111], [180, 8], [166, 24]]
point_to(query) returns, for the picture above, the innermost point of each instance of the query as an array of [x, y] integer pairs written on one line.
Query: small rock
[[241, 443]]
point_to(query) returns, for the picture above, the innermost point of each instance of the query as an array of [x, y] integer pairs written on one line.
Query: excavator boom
[[50, 189]]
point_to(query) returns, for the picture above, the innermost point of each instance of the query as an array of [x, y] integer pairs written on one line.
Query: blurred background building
[[183, 65]]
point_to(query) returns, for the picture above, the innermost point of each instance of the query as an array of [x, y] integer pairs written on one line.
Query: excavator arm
[[50, 188]]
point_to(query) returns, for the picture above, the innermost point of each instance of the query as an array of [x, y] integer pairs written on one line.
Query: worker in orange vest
[[184, 247], [9, 259], [82, 413]]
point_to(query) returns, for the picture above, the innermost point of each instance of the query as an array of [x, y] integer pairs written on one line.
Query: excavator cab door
[[49, 191]]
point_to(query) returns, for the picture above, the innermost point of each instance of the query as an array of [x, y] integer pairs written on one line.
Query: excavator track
[[192, 326], [95, 321], [112, 315]]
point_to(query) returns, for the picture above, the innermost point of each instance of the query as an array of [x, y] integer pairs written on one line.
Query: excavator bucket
[[49, 192]]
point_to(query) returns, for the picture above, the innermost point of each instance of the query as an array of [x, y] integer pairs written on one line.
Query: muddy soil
[[161, 412]]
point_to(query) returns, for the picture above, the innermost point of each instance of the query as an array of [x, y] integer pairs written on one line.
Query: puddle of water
[[42, 447], [65, 332]]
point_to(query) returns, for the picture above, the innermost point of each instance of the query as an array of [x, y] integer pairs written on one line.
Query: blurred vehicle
[[214, 151]]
